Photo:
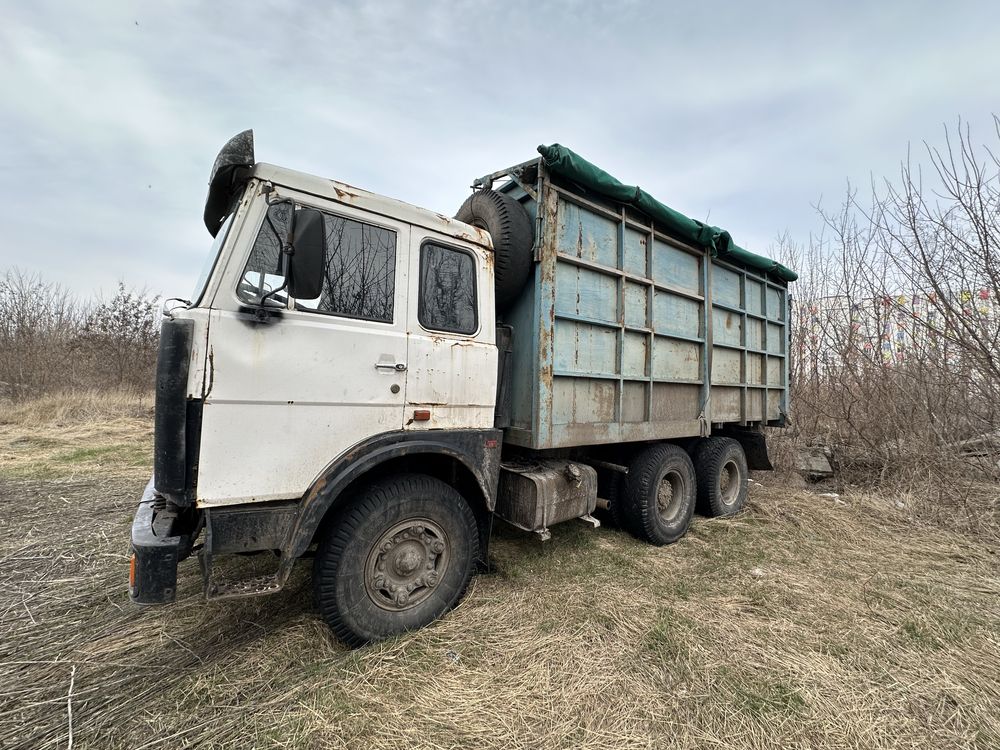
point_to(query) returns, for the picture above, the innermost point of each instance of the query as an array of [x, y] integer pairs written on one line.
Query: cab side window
[[447, 290], [359, 277]]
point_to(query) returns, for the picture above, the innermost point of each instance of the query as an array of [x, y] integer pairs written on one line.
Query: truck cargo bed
[[626, 333]]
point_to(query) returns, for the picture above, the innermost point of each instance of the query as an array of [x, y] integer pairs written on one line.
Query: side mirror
[[305, 269]]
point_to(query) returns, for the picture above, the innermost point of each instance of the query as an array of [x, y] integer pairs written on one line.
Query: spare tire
[[513, 238]]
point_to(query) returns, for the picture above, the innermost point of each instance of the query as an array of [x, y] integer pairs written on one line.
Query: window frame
[[475, 287], [292, 304]]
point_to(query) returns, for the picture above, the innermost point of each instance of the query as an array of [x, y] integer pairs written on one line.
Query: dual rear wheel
[[664, 486]]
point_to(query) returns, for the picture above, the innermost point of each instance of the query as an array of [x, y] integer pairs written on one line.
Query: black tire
[[659, 494], [513, 237], [615, 501], [429, 529], [723, 477]]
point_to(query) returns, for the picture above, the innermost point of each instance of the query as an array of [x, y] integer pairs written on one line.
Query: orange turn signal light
[[131, 572], [421, 415]]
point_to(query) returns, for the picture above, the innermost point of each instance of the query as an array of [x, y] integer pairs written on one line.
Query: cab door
[[452, 356], [289, 393]]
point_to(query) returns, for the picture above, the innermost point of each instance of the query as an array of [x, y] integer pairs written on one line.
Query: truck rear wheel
[[658, 496], [721, 468], [397, 558], [513, 236]]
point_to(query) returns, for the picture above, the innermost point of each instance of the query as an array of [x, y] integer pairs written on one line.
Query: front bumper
[[155, 554]]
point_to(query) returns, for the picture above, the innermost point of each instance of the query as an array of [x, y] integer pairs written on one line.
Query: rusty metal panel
[[676, 360], [634, 336], [726, 404], [635, 355], [584, 348], [727, 327], [676, 267], [775, 372], [585, 293], [727, 366], [634, 401], [675, 402], [636, 303], [635, 252], [582, 400], [673, 314], [586, 235]]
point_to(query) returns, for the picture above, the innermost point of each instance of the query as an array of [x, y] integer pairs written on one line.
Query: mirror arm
[[287, 247]]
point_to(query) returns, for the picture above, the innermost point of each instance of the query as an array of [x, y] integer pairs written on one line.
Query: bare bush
[[39, 325], [122, 334], [50, 341], [896, 335]]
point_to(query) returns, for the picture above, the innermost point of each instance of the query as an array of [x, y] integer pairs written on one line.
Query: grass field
[[808, 621]]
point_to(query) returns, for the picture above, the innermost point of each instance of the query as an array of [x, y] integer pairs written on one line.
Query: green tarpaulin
[[561, 160]]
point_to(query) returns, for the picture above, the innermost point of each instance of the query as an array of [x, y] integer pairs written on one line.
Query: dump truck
[[369, 384]]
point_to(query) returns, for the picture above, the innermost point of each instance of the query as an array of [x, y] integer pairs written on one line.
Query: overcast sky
[[743, 113]]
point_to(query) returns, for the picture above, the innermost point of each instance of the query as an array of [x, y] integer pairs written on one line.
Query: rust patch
[[344, 195], [211, 372], [315, 489], [605, 402]]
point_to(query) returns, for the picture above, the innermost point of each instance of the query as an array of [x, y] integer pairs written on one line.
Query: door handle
[[397, 366]]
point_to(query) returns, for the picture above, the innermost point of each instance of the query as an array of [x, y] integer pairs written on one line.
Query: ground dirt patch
[[805, 622]]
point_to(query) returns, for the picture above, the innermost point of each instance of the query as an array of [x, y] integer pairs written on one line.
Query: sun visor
[[229, 174]]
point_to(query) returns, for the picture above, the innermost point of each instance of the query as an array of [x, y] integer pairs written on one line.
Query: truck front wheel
[[397, 558], [659, 494]]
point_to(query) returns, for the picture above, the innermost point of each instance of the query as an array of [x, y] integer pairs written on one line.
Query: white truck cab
[[401, 336]]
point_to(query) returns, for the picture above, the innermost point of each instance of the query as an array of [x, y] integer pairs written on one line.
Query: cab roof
[[372, 202]]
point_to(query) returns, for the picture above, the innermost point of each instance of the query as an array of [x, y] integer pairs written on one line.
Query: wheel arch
[[469, 460]]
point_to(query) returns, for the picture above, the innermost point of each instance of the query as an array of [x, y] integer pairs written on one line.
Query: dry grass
[[69, 435], [75, 407], [803, 623]]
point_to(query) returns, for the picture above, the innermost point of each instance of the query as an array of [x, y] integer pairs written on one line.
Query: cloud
[[744, 114]]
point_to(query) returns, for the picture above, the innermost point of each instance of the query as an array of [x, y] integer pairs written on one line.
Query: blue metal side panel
[[623, 334]]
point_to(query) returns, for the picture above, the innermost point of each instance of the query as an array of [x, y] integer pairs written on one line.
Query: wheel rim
[[730, 482], [670, 496], [406, 564]]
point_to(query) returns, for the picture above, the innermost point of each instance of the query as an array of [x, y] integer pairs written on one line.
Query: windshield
[[213, 255]]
